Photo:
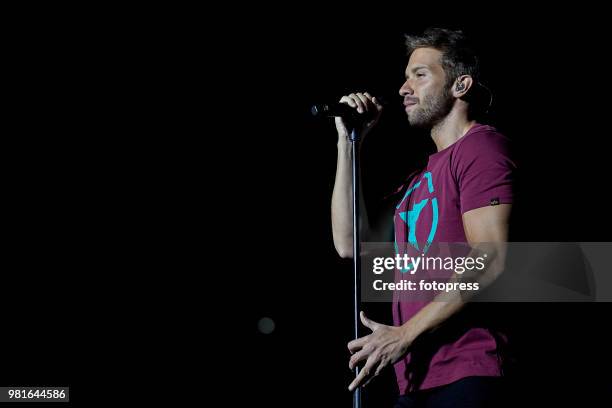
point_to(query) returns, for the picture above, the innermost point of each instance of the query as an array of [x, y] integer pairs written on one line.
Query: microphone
[[326, 110]]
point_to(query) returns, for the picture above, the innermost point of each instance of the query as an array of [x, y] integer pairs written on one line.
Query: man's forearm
[[446, 304], [342, 203]]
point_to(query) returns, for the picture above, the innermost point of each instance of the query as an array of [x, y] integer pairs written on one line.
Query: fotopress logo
[[452, 265]]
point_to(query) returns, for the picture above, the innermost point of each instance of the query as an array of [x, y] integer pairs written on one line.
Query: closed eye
[[420, 74]]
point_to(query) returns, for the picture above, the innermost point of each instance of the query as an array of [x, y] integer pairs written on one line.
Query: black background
[[149, 142], [548, 76]]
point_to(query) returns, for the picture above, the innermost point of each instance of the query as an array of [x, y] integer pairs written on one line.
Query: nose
[[406, 89]]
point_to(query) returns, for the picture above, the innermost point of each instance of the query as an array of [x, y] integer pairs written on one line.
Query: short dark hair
[[458, 56]]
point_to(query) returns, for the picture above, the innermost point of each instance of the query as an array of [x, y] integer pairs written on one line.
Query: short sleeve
[[484, 170]]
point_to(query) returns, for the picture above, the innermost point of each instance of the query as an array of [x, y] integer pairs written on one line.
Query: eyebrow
[[416, 68]]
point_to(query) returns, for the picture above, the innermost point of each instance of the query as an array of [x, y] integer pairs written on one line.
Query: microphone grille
[[318, 110]]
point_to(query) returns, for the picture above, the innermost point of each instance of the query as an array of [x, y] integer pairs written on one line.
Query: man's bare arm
[[342, 203], [486, 230]]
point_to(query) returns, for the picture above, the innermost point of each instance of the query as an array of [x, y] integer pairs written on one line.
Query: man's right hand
[[362, 102]]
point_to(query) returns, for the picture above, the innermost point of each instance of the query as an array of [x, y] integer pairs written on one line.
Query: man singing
[[441, 355]]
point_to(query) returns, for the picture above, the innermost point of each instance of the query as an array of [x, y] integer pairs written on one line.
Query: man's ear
[[462, 86]]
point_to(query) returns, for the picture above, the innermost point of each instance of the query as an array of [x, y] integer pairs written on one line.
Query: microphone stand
[[354, 139]]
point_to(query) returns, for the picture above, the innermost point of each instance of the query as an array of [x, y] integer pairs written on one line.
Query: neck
[[450, 129]]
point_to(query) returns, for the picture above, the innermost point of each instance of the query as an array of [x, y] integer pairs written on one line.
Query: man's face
[[427, 99]]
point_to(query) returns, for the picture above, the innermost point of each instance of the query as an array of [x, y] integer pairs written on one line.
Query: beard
[[432, 109]]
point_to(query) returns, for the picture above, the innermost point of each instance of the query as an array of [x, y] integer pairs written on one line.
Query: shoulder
[[482, 140], [482, 145]]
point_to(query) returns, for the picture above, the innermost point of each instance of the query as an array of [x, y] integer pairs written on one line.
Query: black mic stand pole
[[354, 139]]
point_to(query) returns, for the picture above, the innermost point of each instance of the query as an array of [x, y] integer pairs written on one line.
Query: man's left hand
[[385, 346]]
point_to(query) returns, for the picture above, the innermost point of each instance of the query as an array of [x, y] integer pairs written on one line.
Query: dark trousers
[[473, 392]]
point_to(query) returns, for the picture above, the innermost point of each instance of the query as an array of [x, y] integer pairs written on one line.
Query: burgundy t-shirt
[[476, 171]]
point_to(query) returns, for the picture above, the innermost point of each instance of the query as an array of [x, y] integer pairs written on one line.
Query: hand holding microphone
[[357, 109]]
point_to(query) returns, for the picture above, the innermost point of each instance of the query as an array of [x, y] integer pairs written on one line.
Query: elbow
[[343, 244], [345, 252]]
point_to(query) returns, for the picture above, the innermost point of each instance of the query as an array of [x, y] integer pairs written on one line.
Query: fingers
[[365, 373], [376, 374], [362, 102], [357, 344], [372, 369], [349, 101], [375, 101], [359, 104], [357, 357], [370, 324], [365, 102]]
